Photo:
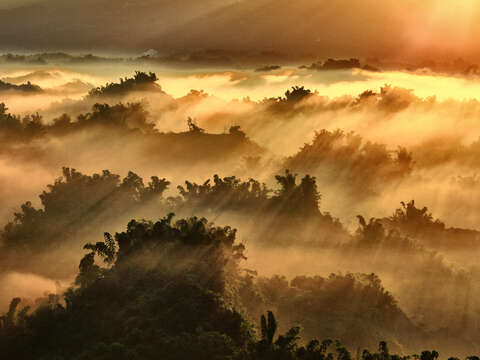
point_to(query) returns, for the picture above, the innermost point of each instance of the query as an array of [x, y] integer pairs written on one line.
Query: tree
[[269, 328], [236, 131], [429, 355], [372, 232], [161, 294], [70, 207], [141, 81], [193, 127], [297, 94], [302, 199]]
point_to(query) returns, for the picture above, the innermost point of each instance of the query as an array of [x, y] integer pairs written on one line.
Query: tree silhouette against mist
[[302, 199], [165, 289], [77, 204], [236, 131], [414, 219], [378, 234], [141, 81], [289, 211], [335, 64], [71, 205], [293, 206], [14, 127], [160, 294], [28, 87], [225, 193], [127, 117], [287, 346], [344, 157], [193, 127], [373, 231], [290, 102], [297, 94], [269, 328], [418, 223]]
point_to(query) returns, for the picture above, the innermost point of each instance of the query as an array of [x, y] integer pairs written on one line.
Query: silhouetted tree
[[193, 127], [141, 81], [269, 328]]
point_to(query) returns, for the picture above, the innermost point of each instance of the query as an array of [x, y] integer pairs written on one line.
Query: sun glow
[[449, 26]]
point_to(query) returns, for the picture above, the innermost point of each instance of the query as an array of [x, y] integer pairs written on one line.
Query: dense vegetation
[[164, 290], [139, 82], [344, 156], [159, 296], [77, 204], [352, 307], [181, 289], [130, 116], [26, 137], [291, 208], [25, 88], [71, 206]]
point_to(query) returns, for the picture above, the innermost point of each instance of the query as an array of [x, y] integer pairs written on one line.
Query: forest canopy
[[335, 233]]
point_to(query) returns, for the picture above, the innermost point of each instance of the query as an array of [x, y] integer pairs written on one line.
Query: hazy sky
[[15, 3], [363, 28]]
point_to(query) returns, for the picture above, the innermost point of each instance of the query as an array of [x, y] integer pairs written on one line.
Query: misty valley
[[153, 209]]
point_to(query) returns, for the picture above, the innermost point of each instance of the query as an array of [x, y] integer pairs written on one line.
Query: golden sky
[[323, 28]]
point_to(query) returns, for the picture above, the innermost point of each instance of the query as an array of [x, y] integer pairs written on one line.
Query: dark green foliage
[[287, 346], [161, 297], [162, 293], [354, 308]]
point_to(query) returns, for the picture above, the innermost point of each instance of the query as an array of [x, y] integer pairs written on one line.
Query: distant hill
[[94, 24], [323, 28]]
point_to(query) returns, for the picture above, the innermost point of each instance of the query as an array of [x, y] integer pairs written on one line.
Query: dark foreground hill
[[175, 290]]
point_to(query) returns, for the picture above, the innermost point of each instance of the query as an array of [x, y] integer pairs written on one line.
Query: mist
[[316, 170]]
